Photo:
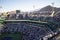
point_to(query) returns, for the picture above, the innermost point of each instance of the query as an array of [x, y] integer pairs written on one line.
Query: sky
[[26, 5]]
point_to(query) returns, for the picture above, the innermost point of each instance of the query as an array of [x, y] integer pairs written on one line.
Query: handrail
[[24, 21]]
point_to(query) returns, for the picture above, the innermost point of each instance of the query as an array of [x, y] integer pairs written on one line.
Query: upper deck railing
[[25, 21]]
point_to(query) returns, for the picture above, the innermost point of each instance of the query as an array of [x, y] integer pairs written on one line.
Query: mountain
[[49, 8]]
